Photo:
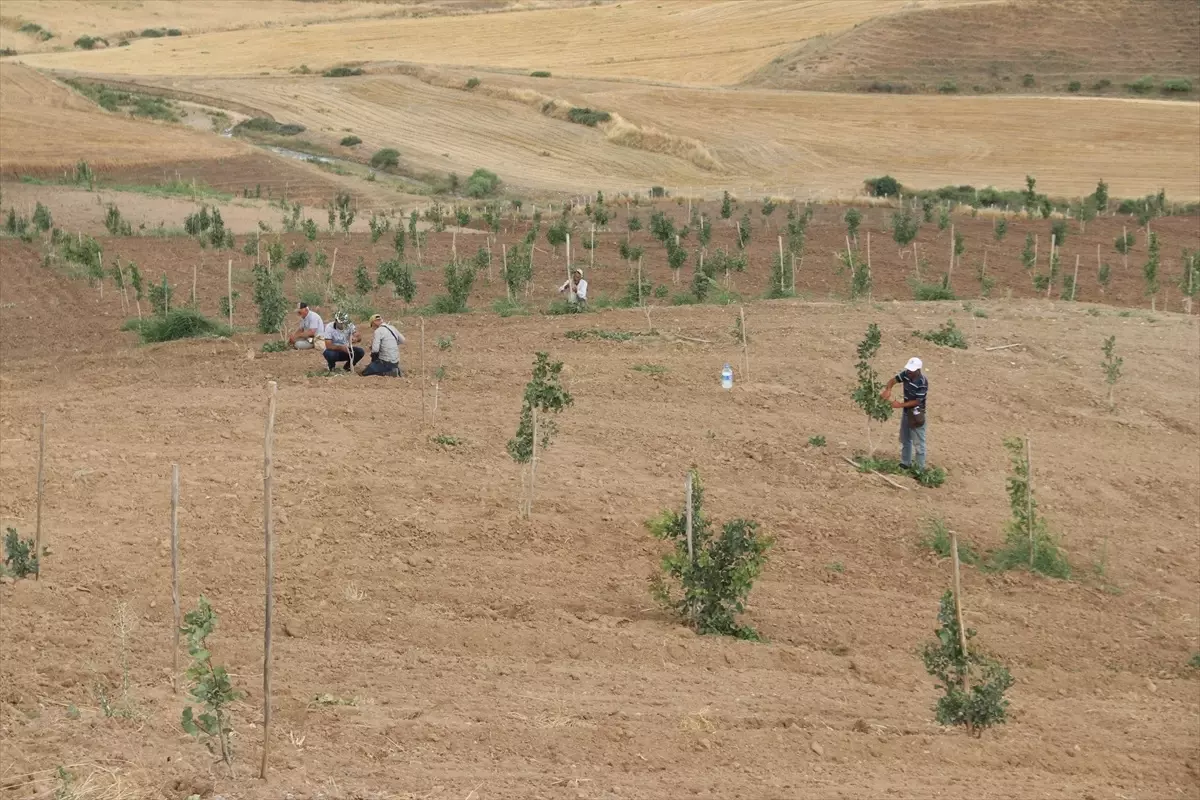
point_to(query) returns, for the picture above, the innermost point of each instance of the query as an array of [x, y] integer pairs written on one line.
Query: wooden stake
[[958, 612], [691, 552], [780, 255], [504, 267], [592, 252], [868, 268], [41, 490], [175, 575], [194, 301], [1050, 283], [422, 371], [1125, 247], [1036, 239], [1002, 347], [229, 288], [533, 461], [745, 349], [951, 270], [1075, 280], [269, 546], [639, 279], [1029, 497]]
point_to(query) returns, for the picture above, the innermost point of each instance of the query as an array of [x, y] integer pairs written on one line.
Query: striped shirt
[[914, 388]]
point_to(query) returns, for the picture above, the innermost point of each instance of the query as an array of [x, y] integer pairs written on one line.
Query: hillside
[[1101, 44]]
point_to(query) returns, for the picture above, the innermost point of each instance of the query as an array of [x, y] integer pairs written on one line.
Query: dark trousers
[[380, 367], [335, 356]]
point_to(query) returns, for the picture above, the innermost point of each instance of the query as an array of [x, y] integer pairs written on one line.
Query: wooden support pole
[[745, 349], [195, 303], [868, 268], [41, 491], [1125, 247], [1075, 280], [958, 610], [1029, 497], [533, 461], [422, 371], [688, 492], [639, 280], [592, 252], [175, 577], [269, 548], [950, 271], [229, 289], [1050, 281]]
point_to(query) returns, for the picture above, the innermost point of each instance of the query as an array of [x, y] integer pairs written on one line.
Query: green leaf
[[189, 723]]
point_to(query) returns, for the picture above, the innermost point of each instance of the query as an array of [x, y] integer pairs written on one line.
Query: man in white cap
[[311, 328], [912, 413], [577, 287]]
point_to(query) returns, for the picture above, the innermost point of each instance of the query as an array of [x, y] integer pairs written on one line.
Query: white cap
[[913, 365]]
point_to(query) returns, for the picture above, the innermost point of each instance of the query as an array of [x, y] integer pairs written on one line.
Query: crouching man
[[385, 349], [341, 336], [311, 328]]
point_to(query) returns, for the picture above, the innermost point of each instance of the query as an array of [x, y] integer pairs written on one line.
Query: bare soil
[[474, 655]]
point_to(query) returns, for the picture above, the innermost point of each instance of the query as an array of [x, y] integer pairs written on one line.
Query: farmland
[[432, 641]]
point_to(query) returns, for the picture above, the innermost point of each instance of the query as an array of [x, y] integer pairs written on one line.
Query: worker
[[385, 349], [311, 329], [577, 288], [912, 416], [341, 336]]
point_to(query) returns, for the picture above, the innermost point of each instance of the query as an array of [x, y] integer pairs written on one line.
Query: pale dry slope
[[45, 126], [687, 41], [69, 19], [817, 145]]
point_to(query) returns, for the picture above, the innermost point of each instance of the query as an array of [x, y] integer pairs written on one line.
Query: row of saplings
[[706, 578]]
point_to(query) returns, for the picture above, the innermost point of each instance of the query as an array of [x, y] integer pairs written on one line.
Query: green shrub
[[472, 83], [341, 72], [350, 141], [1028, 542], [1027, 80], [20, 555], [1102, 85], [937, 540], [178, 323], [297, 260], [153, 33], [459, 279], [977, 703], [541, 73], [887, 186], [1143, 85], [708, 587], [174, 32], [948, 335], [1176, 86], [1074, 86], [930, 291], [588, 116], [90, 42], [947, 87], [816, 441], [387, 158]]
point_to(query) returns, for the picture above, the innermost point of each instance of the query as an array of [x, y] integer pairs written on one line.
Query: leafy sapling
[[544, 398], [20, 555], [1112, 367], [972, 684], [868, 393], [1028, 541], [706, 581], [210, 685]]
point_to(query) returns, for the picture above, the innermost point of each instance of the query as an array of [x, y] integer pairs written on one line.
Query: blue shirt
[[915, 388]]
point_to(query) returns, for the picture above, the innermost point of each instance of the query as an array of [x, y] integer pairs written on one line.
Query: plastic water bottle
[[727, 377]]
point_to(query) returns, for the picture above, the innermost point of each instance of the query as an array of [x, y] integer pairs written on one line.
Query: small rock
[[281, 517], [1163, 549], [413, 561], [816, 748], [154, 604], [369, 514], [861, 726], [1151, 686], [428, 559], [293, 628]]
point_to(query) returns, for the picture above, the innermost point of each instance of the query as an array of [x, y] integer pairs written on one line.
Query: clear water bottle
[[727, 377]]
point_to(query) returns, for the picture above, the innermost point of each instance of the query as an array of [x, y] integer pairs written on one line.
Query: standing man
[[340, 337], [577, 287], [385, 349], [311, 328], [912, 413]]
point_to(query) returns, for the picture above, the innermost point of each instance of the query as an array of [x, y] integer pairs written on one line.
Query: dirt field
[[991, 48], [484, 657]]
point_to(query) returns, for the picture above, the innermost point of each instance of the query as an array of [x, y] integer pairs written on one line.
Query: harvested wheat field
[[721, 42], [428, 643]]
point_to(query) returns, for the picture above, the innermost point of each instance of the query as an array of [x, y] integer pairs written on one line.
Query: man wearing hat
[[385, 349], [310, 331], [912, 412], [340, 339], [577, 287]]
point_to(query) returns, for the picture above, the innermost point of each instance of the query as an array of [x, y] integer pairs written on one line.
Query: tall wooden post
[[41, 490], [175, 576], [958, 613], [745, 349], [691, 551], [1029, 498], [269, 547], [229, 289]]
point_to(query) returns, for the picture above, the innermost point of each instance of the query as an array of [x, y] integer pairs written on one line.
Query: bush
[[1074, 86], [174, 32], [930, 291], [153, 33], [472, 83], [715, 583], [948, 335], [297, 260], [268, 296], [1102, 85], [588, 116], [978, 703], [947, 87], [937, 540], [350, 141], [341, 72], [459, 280], [887, 186], [1027, 80], [90, 42], [1028, 542], [20, 555], [1176, 86], [482, 183], [541, 73], [1143, 85], [387, 158], [178, 323], [267, 125]]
